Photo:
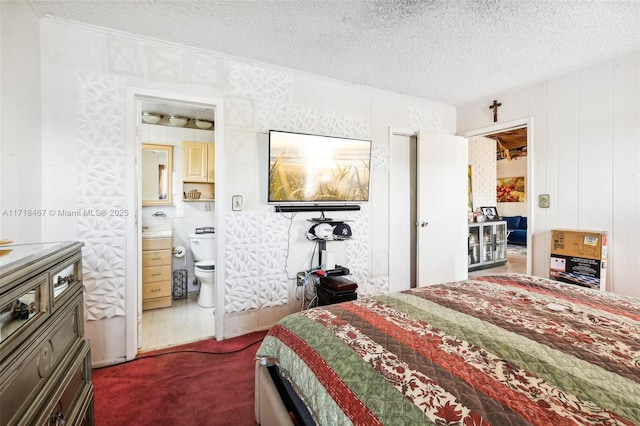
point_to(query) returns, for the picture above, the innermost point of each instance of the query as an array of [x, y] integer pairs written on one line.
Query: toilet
[[203, 249]]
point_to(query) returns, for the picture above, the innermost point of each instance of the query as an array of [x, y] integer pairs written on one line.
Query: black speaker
[[316, 208]]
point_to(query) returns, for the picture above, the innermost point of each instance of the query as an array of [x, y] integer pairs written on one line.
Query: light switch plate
[[544, 201], [236, 202]]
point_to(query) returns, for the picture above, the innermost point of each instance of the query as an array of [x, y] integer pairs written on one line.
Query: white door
[[442, 208]]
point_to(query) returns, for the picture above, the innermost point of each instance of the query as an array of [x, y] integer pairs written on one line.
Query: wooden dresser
[[156, 273], [45, 361]]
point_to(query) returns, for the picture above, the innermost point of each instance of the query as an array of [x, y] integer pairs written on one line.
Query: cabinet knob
[[57, 419]]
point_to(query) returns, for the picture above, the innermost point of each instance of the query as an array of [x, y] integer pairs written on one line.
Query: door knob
[[424, 224]]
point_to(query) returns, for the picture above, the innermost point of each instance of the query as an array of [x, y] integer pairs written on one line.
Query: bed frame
[[269, 408]]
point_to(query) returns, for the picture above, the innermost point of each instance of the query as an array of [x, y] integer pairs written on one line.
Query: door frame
[[529, 182], [133, 285]]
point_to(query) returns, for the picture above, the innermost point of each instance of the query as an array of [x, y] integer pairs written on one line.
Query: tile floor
[[185, 321], [516, 263]]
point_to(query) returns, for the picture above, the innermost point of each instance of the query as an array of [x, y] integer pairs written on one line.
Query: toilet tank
[[203, 246]]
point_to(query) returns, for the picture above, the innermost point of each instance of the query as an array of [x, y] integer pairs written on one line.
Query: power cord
[[183, 352], [286, 260]]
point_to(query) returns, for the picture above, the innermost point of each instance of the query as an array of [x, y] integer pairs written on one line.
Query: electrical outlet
[[300, 279]]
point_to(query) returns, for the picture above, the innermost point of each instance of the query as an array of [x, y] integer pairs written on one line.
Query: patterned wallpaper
[[256, 99], [101, 186], [482, 157]]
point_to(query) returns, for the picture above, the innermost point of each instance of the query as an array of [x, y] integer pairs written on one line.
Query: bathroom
[[173, 209]]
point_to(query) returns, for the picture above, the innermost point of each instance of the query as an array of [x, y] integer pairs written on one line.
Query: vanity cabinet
[[156, 273], [45, 361]]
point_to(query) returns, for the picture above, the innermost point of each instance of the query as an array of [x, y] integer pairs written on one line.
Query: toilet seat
[[206, 265]]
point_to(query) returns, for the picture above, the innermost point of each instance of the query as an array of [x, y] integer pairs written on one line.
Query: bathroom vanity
[[156, 267], [45, 362]]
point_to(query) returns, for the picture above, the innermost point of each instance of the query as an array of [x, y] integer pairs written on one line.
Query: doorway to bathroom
[[175, 198]]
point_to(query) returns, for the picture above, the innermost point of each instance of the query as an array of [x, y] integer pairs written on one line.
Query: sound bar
[[316, 208]]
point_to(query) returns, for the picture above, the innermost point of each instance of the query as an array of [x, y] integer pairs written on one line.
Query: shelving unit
[[487, 244]]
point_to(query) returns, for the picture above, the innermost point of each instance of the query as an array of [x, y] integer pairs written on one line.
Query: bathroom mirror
[[156, 174]]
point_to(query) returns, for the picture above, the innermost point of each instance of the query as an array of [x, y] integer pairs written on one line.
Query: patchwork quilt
[[502, 349]]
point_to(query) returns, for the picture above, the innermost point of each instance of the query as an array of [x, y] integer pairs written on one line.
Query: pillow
[[523, 223], [513, 222]]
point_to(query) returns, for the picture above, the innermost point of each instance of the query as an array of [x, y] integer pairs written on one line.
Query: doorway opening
[[403, 202], [169, 309], [508, 186]]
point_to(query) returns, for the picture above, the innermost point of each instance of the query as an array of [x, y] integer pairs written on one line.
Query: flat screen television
[[317, 169]]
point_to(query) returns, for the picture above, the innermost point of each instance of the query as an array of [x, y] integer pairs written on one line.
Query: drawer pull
[[155, 275], [57, 419], [156, 258], [155, 290], [67, 279]]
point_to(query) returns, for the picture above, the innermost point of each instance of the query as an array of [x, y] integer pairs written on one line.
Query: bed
[[501, 349]]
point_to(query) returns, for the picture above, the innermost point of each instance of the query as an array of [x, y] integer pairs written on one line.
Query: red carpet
[[181, 388]]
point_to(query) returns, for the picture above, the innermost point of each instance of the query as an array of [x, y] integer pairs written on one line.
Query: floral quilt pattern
[[505, 349]]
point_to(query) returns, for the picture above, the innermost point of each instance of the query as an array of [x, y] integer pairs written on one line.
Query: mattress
[[502, 349]]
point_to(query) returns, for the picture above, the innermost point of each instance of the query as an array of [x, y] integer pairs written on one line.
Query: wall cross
[[494, 107]]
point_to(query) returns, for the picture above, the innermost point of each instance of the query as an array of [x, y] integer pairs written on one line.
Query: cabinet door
[[211, 162], [195, 161], [487, 243], [474, 245], [500, 231]]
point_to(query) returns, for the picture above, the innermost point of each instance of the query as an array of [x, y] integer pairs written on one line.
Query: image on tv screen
[[312, 168]]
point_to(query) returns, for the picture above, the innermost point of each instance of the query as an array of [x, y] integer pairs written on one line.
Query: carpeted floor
[[201, 383]]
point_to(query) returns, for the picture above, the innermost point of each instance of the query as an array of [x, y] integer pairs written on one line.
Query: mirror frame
[[169, 150]]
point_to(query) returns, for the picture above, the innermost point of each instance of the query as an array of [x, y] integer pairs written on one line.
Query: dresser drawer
[[156, 273], [26, 373], [156, 244], [23, 310], [156, 258], [68, 400], [156, 289], [65, 279]]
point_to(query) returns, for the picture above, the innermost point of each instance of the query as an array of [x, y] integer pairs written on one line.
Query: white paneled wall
[[586, 155]]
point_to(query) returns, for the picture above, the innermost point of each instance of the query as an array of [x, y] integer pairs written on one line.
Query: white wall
[[88, 75], [586, 155], [20, 144]]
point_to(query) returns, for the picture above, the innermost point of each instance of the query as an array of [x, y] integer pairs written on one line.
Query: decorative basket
[[194, 194]]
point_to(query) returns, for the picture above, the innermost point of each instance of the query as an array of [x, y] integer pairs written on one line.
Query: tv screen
[[316, 169]]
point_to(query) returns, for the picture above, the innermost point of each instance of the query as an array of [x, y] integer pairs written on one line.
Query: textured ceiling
[[447, 51]]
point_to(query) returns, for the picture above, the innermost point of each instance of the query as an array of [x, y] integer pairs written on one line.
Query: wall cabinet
[[156, 273], [199, 162], [487, 244], [45, 361], [199, 169]]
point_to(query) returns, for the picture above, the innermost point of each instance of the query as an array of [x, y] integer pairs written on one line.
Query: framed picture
[[511, 190], [491, 213]]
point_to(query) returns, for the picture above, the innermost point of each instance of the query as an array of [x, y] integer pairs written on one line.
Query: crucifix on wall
[[494, 107]]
